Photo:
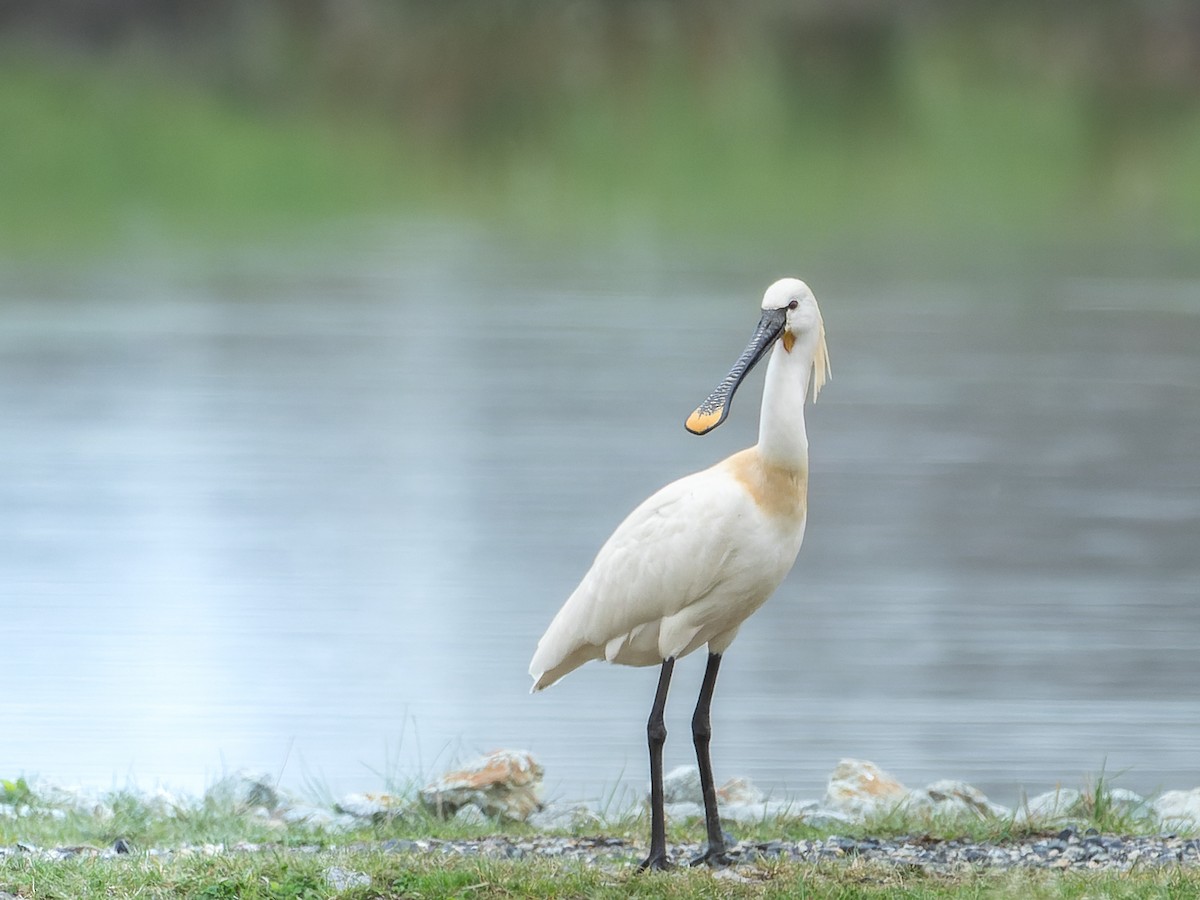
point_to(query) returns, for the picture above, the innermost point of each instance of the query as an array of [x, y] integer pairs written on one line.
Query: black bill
[[711, 413]]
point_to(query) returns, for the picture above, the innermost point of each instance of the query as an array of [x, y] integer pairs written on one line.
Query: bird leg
[[656, 734], [701, 735]]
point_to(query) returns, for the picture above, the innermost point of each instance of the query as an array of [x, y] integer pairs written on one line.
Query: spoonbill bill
[[690, 564]]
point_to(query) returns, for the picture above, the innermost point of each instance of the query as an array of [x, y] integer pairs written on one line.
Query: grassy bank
[[219, 848], [308, 876], [95, 158], [946, 152]]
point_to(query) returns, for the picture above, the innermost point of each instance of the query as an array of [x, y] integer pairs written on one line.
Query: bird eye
[[793, 304]]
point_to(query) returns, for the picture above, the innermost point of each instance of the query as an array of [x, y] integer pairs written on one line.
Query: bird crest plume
[[821, 370]]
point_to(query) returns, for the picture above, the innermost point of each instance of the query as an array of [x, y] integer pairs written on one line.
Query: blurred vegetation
[[817, 123]]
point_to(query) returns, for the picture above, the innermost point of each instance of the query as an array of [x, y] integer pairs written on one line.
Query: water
[[310, 513]]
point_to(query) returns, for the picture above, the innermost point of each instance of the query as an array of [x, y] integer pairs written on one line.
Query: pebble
[[1078, 852], [508, 784], [340, 879], [1085, 852]]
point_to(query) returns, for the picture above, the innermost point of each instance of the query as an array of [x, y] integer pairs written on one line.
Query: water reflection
[[311, 515]]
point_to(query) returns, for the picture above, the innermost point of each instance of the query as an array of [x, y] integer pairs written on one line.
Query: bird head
[[790, 315]]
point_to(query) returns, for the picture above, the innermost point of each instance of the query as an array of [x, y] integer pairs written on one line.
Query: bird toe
[[715, 858], [656, 861]]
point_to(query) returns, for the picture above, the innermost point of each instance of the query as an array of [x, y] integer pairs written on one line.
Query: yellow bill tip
[[700, 421]]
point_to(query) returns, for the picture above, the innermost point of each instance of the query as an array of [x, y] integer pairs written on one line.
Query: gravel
[[1069, 849]]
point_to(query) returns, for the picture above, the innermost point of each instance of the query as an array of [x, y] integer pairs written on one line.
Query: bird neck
[[782, 439]]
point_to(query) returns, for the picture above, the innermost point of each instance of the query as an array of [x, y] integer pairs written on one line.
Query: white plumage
[[683, 570], [693, 561]]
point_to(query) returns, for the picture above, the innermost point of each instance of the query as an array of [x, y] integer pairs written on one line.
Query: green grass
[[96, 157], [293, 876], [294, 861], [216, 817], [947, 154]]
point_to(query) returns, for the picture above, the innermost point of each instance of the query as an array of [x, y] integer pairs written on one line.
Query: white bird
[[690, 564]]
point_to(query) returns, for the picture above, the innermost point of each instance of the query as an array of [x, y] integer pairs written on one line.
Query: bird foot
[[714, 857], [656, 861]]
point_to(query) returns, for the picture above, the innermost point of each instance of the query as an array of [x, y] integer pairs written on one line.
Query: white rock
[[470, 814], [1131, 804], [742, 813], [861, 789], [372, 806], [748, 813], [504, 783], [762, 811], [1126, 798], [732, 875], [166, 802], [787, 809], [682, 785], [739, 790], [1178, 809], [317, 816], [343, 823], [556, 817], [340, 879], [246, 791], [824, 817], [1063, 803], [953, 799], [45, 794], [684, 811], [795, 809]]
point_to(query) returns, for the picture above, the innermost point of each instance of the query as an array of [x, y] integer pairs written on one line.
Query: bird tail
[[548, 666]]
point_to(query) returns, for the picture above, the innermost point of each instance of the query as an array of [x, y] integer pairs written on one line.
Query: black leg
[[701, 735], [656, 735]]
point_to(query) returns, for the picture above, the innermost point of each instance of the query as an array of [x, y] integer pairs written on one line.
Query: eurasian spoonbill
[[690, 564]]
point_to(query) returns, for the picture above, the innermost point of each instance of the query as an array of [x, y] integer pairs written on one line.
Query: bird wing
[[670, 552]]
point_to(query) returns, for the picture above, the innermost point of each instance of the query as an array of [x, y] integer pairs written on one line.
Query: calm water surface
[[309, 515]]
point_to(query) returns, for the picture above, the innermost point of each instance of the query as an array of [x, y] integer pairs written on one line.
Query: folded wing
[[669, 554]]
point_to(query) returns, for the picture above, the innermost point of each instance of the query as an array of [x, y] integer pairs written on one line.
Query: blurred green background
[[927, 131]]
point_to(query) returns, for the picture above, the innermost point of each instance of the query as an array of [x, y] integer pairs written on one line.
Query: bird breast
[[779, 492]]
